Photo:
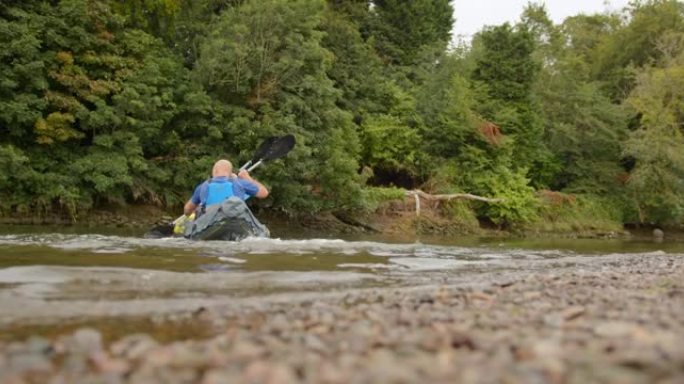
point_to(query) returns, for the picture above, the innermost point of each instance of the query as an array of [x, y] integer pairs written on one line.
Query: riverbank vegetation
[[130, 102]]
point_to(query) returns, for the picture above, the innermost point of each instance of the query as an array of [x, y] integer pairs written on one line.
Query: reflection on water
[[53, 276]]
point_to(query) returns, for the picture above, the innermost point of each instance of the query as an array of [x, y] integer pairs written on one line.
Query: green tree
[[446, 105], [505, 73], [106, 94], [355, 67], [655, 183], [265, 61], [584, 132], [181, 24], [584, 35], [392, 144], [548, 37], [22, 73], [583, 128], [634, 45], [403, 30]]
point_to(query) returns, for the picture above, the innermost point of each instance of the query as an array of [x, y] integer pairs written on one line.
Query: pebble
[[133, 347], [84, 341], [245, 350], [314, 343], [29, 363], [573, 313], [221, 376]]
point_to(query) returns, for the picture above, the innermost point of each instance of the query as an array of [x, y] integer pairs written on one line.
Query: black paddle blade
[[264, 148], [279, 148]]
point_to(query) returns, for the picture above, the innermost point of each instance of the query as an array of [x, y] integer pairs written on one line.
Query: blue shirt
[[224, 186]]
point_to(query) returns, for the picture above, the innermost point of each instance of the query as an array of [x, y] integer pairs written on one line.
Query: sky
[[472, 15]]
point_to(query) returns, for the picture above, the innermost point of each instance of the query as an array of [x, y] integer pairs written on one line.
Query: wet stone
[[573, 313], [221, 376], [37, 344], [29, 362], [314, 343], [133, 346], [278, 324], [267, 372], [83, 341], [247, 350], [75, 364]]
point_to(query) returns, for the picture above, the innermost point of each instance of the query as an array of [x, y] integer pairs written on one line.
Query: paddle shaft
[[253, 166]]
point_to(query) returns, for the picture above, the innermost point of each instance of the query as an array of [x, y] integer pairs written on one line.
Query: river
[[54, 277]]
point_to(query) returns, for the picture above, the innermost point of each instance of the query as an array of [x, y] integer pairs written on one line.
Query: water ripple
[[254, 246]]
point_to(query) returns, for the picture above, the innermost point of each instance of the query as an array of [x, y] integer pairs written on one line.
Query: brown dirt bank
[[117, 216], [397, 221], [613, 319]]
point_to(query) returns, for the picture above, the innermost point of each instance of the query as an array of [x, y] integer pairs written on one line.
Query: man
[[222, 185]]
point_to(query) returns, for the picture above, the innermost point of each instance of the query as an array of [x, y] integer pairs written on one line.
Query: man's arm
[[189, 208], [262, 193], [194, 201]]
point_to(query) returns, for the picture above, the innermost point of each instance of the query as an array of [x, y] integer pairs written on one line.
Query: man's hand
[[189, 208], [263, 192], [244, 174]]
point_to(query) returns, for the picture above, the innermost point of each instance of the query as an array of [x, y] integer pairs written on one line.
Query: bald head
[[222, 168]]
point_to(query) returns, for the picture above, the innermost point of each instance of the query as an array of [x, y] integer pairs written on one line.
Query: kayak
[[231, 220]]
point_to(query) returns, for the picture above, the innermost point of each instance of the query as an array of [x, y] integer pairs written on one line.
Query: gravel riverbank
[[606, 320]]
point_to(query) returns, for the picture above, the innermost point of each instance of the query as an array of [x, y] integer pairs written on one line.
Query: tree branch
[[417, 194], [467, 196]]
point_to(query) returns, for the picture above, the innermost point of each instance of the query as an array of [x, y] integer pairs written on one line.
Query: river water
[[52, 277]]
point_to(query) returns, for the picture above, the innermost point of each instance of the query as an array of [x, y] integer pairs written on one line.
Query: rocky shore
[[609, 320]]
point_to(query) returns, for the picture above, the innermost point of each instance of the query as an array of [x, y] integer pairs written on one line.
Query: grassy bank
[[551, 213], [554, 214]]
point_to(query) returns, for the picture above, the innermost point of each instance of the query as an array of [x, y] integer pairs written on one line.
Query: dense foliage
[[129, 102]]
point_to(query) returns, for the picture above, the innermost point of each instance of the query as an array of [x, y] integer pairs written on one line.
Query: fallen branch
[[417, 194], [452, 196]]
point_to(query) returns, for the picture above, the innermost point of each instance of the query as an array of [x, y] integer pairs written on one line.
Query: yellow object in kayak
[[179, 225]]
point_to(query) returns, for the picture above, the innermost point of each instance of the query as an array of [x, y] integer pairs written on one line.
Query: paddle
[[275, 149], [261, 152], [270, 149]]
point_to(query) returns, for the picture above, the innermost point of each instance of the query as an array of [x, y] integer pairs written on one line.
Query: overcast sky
[[472, 15]]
